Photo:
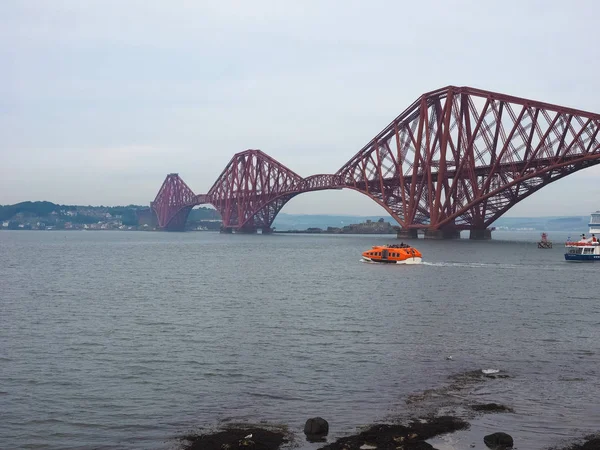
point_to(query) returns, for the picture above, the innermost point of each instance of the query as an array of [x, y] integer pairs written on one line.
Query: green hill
[[51, 212]]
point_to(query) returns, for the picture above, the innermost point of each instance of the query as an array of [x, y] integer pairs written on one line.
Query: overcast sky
[[99, 100]]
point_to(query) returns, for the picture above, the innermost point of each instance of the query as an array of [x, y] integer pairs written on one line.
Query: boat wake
[[495, 266], [474, 265], [452, 264]]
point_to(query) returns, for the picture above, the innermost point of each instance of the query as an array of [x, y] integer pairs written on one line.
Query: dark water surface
[[127, 340]]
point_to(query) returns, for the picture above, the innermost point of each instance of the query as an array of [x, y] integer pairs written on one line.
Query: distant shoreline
[[331, 232]]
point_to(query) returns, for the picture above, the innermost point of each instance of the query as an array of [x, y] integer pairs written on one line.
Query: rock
[[498, 440], [317, 426], [237, 438], [491, 407], [494, 375]]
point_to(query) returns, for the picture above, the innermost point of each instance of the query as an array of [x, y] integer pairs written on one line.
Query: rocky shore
[[412, 433], [380, 436]]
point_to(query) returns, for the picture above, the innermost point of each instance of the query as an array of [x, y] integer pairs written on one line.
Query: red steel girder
[[320, 182], [460, 157], [248, 194], [252, 190], [173, 203]]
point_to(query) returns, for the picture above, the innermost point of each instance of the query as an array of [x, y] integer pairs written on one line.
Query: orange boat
[[393, 254]]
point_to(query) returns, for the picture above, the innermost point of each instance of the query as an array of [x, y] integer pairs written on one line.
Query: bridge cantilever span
[[456, 159], [321, 182]]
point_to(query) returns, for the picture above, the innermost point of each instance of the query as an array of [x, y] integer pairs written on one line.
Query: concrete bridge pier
[[480, 234], [407, 233], [442, 234], [266, 230], [226, 230]]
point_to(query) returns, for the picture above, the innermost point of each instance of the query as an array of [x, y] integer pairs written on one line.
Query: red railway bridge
[[456, 159]]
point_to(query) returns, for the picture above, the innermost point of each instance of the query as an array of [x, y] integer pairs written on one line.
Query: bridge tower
[[173, 203]]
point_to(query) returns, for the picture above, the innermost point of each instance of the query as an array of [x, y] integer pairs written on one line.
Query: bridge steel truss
[[252, 190], [173, 203], [457, 158]]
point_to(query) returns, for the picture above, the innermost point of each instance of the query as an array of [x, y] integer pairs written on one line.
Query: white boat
[[595, 222], [583, 250]]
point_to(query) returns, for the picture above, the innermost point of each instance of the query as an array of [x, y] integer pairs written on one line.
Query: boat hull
[[581, 258], [415, 260]]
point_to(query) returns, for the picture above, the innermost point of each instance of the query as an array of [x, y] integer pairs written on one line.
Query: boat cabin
[[582, 250]]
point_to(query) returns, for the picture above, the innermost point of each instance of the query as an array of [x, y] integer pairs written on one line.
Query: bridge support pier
[[407, 233], [480, 234], [442, 234], [226, 230], [175, 228], [266, 230], [250, 230]]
